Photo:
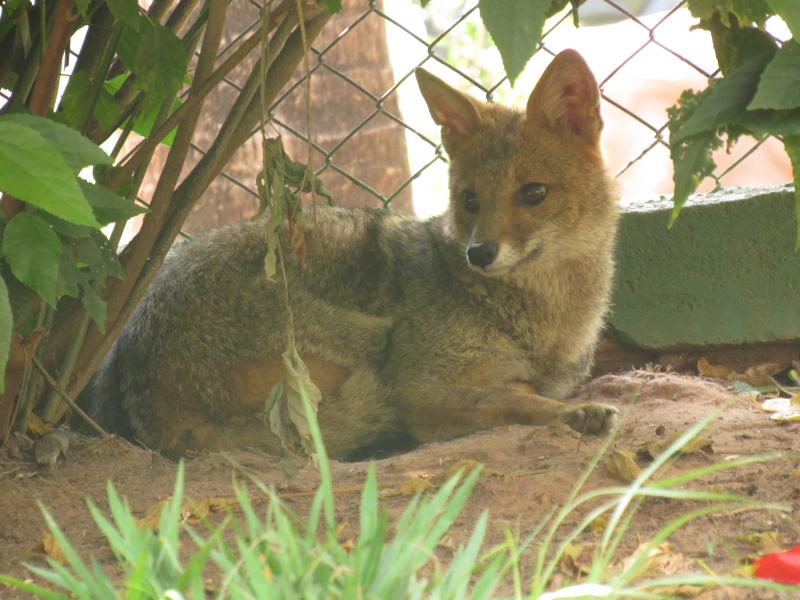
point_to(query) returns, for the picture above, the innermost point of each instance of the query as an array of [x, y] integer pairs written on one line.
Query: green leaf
[[691, 158], [69, 275], [333, 6], [145, 123], [35, 172], [792, 146], [160, 64], [32, 250], [110, 264], [126, 11], [82, 6], [745, 11], [516, 28], [789, 11], [76, 149], [96, 308], [764, 122], [108, 207], [780, 82], [127, 49], [6, 325], [735, 45], [76, 98], [725, 98], [65, 229]]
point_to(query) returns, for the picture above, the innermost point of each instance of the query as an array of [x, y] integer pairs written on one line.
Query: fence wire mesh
[[642, 62], [373, 143]]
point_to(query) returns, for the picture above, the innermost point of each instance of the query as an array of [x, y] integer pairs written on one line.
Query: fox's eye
[[531, 194], [471, 202]]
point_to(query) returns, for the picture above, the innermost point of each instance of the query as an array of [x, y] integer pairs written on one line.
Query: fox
[[414, 331]]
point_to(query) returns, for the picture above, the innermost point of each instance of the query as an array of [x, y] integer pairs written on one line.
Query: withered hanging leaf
[[287, 416], [278, 183], [621, 465]]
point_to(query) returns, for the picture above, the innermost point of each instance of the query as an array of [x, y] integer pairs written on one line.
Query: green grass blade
[[30, 588]]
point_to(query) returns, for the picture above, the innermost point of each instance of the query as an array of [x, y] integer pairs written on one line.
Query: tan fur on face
[[555, 138]]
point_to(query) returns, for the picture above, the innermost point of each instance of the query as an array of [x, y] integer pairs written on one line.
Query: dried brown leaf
[[409, 487], [763, 541], [287, 416], [576, 560], [599, 523], [697, 444], [622, 465], [37, 426], [50, 546], [782, 409], [757, 375]]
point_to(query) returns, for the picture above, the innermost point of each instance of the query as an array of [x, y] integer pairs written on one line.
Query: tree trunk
[[375, 154]]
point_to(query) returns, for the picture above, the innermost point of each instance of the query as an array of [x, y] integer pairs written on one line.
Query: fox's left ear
[[566, 99]]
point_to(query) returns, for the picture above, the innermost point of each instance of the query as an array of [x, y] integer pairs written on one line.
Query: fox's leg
[[358, 416], [435, 411], [353, 416]]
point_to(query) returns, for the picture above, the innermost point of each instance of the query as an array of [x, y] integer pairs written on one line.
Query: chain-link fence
[[372, 141]]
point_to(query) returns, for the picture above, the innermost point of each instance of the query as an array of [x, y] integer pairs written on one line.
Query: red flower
[[783, 567]]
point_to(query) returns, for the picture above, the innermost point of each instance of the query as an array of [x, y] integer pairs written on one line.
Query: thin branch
[[181, 14], [139, 153], [46, 84], [54, 384], [187, 194]]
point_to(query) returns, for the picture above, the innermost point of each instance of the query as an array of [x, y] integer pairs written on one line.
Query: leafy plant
[[757, 95], [132, 74]]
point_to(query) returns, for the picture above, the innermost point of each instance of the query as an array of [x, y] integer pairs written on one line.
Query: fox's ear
[[457, 113], [566, 99]]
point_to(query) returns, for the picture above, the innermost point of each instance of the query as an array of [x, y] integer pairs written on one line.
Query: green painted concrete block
[[726, 273]]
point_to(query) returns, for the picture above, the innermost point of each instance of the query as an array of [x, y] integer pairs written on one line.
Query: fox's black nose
[[481, 254]]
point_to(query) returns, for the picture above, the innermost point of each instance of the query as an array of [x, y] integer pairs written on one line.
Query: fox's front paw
[[595, 419]]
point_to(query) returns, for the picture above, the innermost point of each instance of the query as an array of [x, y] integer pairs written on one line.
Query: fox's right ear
[[457, 113]]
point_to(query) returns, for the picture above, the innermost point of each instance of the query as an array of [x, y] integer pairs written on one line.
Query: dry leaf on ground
[[758, 375], [192, 511], [782, 409], [50, 546], [697, 444], [621, 465], [409, 487], [576, 560], [763, 541]]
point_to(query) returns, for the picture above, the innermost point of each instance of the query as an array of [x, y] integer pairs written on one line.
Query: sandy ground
[[528, 470]]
